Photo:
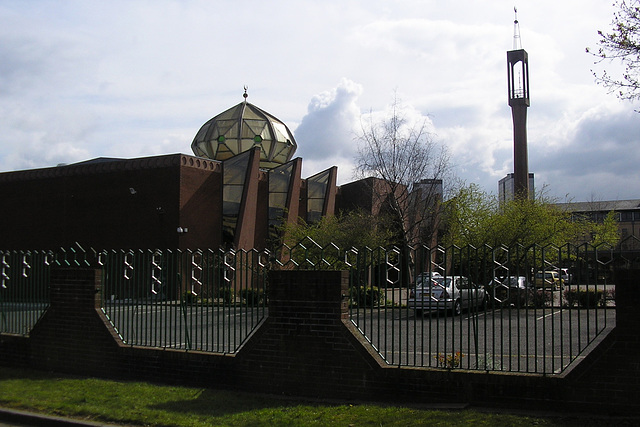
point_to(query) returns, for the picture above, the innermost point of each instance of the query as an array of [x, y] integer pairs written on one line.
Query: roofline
[[104, 165]]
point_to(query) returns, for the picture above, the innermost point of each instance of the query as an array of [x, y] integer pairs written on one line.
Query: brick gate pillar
[[307, 345], [628, 321], [611, 372], [72, 336], [309, 298], [628, 301]]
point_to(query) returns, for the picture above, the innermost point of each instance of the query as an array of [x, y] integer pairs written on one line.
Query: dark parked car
[[509, 290]]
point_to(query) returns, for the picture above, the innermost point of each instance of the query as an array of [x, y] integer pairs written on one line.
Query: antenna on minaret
[[517, 43]]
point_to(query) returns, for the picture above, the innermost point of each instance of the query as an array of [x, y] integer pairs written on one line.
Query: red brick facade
[[172, 201]]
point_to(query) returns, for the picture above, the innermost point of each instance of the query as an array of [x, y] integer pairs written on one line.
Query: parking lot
[[538, 340], [523, 340]]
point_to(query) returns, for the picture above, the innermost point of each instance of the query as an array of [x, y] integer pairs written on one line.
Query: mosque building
[[242, 181]]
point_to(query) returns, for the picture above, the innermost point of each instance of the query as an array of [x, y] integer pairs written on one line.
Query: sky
[[85, 79]]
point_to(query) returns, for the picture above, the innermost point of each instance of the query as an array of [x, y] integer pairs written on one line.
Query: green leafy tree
[[622, 43], [468, 215], [605, 232], [475, 218], [322, 245], [355, 229]]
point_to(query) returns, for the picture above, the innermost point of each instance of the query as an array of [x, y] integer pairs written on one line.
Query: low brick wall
[[308, 347]]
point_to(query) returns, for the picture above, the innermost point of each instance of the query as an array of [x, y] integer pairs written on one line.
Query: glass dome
[[241, 128]]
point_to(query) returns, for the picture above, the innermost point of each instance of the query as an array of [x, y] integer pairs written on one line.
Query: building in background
[[235, 192], [627, 214], [506, 188]]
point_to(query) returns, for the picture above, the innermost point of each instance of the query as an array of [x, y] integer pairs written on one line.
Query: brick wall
[[305, 346], [73, 335], [308, 347], [610, 375]]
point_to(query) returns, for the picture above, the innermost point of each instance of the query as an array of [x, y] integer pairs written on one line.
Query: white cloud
[[80, 80], [330, 126]]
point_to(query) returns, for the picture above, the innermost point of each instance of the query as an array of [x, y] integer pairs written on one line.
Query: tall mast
[[518, 84]]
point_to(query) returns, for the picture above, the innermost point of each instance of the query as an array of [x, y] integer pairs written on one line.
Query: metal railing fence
[[398, 305], [192, 300], [212, 300], [24, 292]]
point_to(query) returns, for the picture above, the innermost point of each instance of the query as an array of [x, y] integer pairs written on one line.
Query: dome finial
[[517, 43], [245, 95]]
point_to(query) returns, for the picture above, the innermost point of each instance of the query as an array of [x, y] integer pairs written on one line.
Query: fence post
[[73, 335], [304, 347], [75, 289], [309, 295], [627, 283]]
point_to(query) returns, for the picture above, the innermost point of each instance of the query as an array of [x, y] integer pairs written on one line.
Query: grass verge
[[136, 403]]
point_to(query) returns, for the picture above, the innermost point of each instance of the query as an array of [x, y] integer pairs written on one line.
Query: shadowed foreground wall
[[308, 347]]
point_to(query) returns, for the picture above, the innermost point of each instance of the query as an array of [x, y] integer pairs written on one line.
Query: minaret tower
[[518, 82]]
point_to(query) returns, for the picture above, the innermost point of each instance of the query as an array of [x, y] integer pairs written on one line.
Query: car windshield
[[421, 279], [443, 281], [510, 281], [424, 278], [547, 275]]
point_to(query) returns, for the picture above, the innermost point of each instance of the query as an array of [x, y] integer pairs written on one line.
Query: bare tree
[[405, 167], [622, 43]]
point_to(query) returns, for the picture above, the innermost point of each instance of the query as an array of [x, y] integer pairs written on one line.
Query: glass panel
[[279, 179], [264, 149], [279, 182], [231, 113], [201, 133], [281, 132], [233, 196], [234, 175], [266, 133], [277, 203], [316, 191], [281, 156], [203, 149], [244, 144], [250, 113], [277, 200], [314, 210], [254, 127], [223, 152], [232, 146], [317, 185], [228, 128], [233, 166]]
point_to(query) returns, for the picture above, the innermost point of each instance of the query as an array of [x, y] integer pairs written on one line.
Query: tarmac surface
[[15, 418]]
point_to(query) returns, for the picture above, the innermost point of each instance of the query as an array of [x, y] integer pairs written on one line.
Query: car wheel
[[457, 309]]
